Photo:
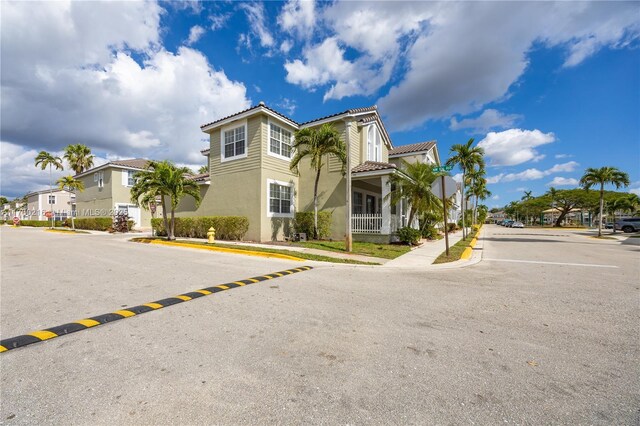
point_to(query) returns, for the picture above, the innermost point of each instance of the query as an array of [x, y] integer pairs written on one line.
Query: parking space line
[[541, 262], [53, 332]]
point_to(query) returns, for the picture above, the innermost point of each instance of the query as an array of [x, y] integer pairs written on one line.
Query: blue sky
[[547, 89]]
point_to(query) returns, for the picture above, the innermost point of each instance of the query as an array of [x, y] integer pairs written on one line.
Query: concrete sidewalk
[[424, 255]]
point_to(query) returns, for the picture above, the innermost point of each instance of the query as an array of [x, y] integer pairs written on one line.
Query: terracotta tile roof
[[201, 177], [349, 111], [205, 151], [260, 105], [414, 147], [136, 163], [373, 166]]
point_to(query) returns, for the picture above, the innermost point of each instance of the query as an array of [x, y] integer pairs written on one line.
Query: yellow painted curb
[[466, 254], [473, 242], [59, 231], [227, 250]]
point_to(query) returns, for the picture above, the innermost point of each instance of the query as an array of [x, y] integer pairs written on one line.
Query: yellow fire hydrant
[[211, 235]]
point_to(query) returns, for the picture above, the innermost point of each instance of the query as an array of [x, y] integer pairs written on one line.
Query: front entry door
[[371, 204]]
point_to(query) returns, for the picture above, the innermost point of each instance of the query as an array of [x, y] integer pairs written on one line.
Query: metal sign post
[[443, 195]]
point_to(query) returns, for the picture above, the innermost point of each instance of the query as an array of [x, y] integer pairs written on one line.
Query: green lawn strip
[[302, 255], [383, 251], [455, 251]]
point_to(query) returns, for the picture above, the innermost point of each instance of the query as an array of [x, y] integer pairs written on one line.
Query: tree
[[203, 169], [476, 179], [527, 196], [603, 176], [165, 180], [569, 199], [316, 144], [466, 157], [73, 185], [480, 192], [44, 160], [3, 201], [414, 184], [79, 157]]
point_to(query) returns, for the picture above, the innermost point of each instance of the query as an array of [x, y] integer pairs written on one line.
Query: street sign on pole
[[16, 220], [438, 169], [449, 185]]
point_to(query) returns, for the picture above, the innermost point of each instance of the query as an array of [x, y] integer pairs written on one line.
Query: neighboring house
[[16, 208], [107, 190], [249, 158], [496, 217], [58, 201]]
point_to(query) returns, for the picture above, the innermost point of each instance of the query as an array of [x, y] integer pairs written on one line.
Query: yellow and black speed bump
[[72, 327]]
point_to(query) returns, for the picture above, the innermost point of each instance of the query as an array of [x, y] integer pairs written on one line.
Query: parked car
[[631, 224], [517, 225], [608, 225], [507, 222]]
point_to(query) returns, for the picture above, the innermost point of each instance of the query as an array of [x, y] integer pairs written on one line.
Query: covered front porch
[[373, 218]]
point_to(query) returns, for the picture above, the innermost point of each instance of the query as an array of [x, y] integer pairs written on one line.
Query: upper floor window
[[52, 199], [234, 142], [279, 141], [98, 177], [128, 177], [374, 144], [280, 198]]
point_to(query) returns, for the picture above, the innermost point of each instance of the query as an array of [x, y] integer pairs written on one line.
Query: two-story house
[[249, 158], [56, 201], [107, 190]]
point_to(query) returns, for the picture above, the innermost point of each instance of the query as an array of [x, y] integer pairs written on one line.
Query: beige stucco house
[[249, 159], [108, 190], [59, 202]]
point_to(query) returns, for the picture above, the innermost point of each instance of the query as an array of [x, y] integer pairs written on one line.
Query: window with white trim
[[357, 203], [280, 199], [374, 144], [52, 199], [279, 141], [234, 142], [130, 179], [99, 178]]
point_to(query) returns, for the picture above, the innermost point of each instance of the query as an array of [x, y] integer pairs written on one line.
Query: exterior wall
[[362, 145], [94, 201]]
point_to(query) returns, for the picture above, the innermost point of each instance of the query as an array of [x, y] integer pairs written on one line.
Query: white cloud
[[195, 34], [459, 56], [218, 21], [325, 62], [562, 181], [635, 191], [257, 25], [560, 156], [495, 197], [634, 188], [298, 17], [532, 174], [286, 46], [95, 93], [287, 105], [489, 119], [514, 146]]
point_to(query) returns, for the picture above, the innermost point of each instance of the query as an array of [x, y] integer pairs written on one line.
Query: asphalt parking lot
[[543, 331]]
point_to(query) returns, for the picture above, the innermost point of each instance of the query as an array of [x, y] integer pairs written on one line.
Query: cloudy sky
[[547, 89]]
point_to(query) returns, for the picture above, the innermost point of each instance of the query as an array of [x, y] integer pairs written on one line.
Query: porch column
[[386, 206]]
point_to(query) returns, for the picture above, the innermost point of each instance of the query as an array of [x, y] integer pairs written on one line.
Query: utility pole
[[444, 211], [347, 239]]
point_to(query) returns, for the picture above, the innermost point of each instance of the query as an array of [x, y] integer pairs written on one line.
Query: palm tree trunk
[[601, 208], [164, 216], [51, 195], [464, 230], [173, 224], [315, 205]]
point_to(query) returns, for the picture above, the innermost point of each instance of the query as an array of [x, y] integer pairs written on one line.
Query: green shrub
[[409, 235], [94, 223], [303, 222], [39, 223], [430, 232], [227, 227], [452, 227]]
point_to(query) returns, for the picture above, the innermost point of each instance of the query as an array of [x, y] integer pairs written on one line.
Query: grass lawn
[[384, 251], [456, 250], [298, 254]]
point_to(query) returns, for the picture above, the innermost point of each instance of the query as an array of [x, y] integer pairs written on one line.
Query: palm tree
[[165, 180], [79, 157], [316, 144], [473, 176], [552, 193], [602, 177], [203, 170], [414, 184], [479, 191], [44, 160], [527, 195], [73, 185], [466, 158]]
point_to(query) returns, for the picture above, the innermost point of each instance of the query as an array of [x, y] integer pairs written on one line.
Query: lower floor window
[[357, 203], [279, 198]]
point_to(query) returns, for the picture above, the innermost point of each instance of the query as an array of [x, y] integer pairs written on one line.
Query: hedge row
[[303, 222], [227, 227], [40, 223], [94, 223]]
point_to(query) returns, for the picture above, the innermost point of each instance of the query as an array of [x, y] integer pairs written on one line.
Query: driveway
[[502, 341]]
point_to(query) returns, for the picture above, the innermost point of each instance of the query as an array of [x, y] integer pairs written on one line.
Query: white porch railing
[[366, 223]]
